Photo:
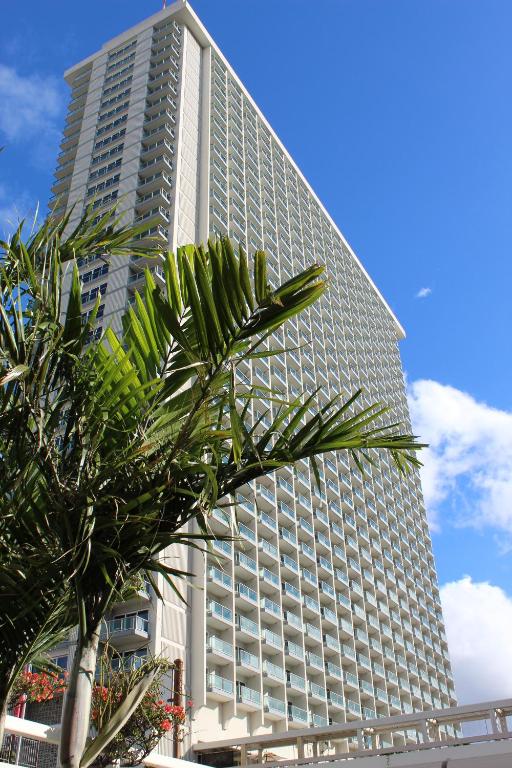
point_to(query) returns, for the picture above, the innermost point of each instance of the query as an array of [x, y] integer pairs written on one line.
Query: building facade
[[328, 608]]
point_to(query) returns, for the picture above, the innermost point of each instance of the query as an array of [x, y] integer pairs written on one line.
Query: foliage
[[153, 718], [37, 608], [38, 686], [108, 450]]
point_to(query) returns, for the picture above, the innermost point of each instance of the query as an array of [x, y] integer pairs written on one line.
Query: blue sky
[[399, 114]]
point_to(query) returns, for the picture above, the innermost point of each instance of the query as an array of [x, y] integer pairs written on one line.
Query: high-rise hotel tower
[[328, 609]]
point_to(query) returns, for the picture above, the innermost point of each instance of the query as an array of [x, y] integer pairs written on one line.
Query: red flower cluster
[[40, 686]]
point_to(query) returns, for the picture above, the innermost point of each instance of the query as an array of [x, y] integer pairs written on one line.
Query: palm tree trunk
[[3, 715], [76, 711]]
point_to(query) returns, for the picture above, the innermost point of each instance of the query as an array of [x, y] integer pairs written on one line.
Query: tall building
[[328, 609]]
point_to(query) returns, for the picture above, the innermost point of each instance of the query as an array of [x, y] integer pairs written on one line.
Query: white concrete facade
[[328, 609]]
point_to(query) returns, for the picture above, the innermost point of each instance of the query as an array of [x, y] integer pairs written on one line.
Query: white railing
[[50, 734], [490, 722]]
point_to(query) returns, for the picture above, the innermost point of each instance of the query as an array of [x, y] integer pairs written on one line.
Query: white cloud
[[31, 111], [469, 462], [423, 293], [478, 619]]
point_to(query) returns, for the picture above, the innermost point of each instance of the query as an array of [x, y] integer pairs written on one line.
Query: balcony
[[263, 493], [317, 691], [315, 661], [246, 563], [292, 619], [295, 682], [246, 594], [248, 699], [289, 564], [275, 709], [148, 168], [219, 650], [294, 651], [129, 660], [297, 716], [219, 615], [247, 533], [219, 582], [245, 506], [313, 633], [153, 182], [218, 687], [291, 592], [318, 721], [158, 214], [268, 521], [271, 608], [248, 662], [247, 626], [124, 630], [269, 581], [154, 106], [271, 639], [273, 672], [353, 707], [333, 671], [335, 700]]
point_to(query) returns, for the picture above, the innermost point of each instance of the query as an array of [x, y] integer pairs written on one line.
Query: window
[[93, 293], [103, 185], [94, 274]]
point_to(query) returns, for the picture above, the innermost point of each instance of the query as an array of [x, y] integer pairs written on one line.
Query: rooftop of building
[[184, 14]]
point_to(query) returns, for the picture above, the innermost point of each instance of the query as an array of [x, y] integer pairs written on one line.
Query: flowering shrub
[[38, 686], [153, 719]]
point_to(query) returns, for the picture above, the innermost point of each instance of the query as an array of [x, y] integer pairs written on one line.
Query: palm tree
[[36, 608], [134, 437]]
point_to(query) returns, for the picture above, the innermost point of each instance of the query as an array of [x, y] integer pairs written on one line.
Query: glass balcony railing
[[292, 649], [318, 721], [313, 632], [220, 611], [269, 548], [128, 624], [293, 618], [217, 645], [317, 690], [314, 660], [336, 699], [354, 707], [246, 659], [218, 684], [333, 670], [269, 576], [295, 681], [297, 715], [270, 606], [273, 670], [289, 562], [247, 625], [350, 679], [221, 578], [247, 593], [246, 562], [247, 695], [271, 638], [291, 591], [276, 706], [128, 661]]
